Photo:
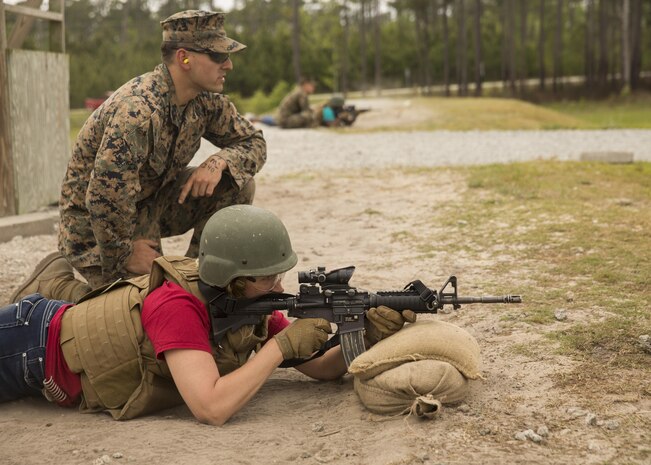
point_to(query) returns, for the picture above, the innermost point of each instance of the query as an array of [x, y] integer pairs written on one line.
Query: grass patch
[[577, 237], [464, 114], [633, 111], [526, 350], [481, 114], [77, 119]]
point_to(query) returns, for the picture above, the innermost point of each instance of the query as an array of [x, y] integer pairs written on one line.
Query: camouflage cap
[[200, 30]]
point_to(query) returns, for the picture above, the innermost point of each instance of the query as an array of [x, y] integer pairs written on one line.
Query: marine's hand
[[382, 322], [204, 179], [303, 337], [142, 256]]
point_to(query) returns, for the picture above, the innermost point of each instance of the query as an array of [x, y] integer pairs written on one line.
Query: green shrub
[[261, 103], [278, 92]]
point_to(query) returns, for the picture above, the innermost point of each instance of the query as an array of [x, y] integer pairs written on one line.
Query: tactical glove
[[303, 337], [382, 322], [247, 337]]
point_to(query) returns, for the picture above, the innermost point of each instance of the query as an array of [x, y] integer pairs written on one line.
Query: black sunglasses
[[217, 57]]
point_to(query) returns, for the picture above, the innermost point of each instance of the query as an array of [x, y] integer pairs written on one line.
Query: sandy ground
[[336, 220]]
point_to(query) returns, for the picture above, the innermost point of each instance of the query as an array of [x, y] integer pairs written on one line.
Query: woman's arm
[[328, 367], [212, 398]]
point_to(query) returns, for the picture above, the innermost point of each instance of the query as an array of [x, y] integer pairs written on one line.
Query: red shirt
[[172, 318], [56, 368], [175, 319]]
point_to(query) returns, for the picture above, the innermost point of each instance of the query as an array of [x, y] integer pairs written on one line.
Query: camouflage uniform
[[295, 112], [130, 161]]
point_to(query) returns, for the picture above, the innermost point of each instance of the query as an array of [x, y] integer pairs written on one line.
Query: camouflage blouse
[[294, 103], [134, 144]]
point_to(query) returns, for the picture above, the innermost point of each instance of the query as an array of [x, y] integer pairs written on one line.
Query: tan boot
[[53, 278]]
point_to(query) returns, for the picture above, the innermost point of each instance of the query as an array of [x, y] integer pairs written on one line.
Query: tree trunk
[[462, 61], [362, 46], [510, 18], [422, 47], [446, 49], [636, 43], [406, 72], [589, 68], [427, 62], [523, 44], [504, 52], [377, 47], [434, 34], [541, 46], [626, 42], [615, 39], [296, 39], [344, 49], [558, 47], [478, 58], [602, 69]]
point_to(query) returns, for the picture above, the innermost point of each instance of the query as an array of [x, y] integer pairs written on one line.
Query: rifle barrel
[[488, 299]]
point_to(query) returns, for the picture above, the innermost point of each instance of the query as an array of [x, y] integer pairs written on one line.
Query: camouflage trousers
[[305, 119], [162, 216]]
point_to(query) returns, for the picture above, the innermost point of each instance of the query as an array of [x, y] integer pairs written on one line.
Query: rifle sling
[[426, 294]]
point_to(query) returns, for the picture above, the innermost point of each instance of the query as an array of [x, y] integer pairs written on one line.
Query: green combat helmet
[[336, 101], [243, 240]]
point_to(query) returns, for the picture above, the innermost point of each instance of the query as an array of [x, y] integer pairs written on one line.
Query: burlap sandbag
[[423, 340], [418, 388]]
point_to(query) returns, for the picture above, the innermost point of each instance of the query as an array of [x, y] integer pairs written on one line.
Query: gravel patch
[[309, 149]]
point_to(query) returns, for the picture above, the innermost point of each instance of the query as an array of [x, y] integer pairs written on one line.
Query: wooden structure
[[34, 110]]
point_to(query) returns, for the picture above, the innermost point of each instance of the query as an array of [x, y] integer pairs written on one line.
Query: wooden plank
[[40, 125], [21, 10], [23, 26], [57, 28], [7, 191], [3, 26]]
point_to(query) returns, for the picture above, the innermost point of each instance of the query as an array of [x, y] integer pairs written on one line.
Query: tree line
[[367, 45]]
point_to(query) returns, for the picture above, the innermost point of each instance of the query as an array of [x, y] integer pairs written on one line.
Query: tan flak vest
[[103, 341]]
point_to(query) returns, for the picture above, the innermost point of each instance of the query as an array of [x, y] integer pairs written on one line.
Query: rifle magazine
[[352, 345]]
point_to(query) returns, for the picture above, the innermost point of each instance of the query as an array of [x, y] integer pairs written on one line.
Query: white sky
[[223, 5]]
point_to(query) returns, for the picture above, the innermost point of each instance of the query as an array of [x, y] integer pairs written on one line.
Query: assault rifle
[[328, 295], [347, 115]]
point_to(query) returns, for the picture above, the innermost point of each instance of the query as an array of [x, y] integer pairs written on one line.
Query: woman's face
[[260, 285]]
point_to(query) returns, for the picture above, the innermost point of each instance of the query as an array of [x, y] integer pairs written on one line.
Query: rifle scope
[[320, 276]]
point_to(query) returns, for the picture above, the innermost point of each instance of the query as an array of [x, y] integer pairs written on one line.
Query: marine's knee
[[94, 276], [247, 193]]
